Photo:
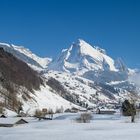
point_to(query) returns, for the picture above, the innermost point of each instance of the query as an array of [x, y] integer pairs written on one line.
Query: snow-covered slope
[[81, 57], [36, 62], [45, 98], [86, 92]]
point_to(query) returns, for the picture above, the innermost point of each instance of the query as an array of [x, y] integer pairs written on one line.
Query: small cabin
[[10, 122], [44, 110], [83, 110], [105, 111], [90, 108], [67, 110], [74, 110], [3, 116]]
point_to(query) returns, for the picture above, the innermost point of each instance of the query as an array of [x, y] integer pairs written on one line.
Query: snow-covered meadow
[[64, 127]]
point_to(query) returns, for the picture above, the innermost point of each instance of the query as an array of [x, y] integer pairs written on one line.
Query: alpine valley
[[82, 76]]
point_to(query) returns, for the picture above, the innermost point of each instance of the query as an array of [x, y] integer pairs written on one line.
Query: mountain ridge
[[82, 56], [80, 76], [27, 56]]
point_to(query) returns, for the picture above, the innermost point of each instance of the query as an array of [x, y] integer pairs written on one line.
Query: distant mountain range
[[26, 56], [81, 76]]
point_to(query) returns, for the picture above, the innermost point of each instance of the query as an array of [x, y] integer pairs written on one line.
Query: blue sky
[[48, 26]]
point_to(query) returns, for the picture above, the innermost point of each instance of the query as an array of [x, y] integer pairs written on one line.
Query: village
[[10, 119], [72, 123]]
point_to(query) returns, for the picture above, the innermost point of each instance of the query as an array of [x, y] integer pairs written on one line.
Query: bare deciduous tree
[[84, 118]]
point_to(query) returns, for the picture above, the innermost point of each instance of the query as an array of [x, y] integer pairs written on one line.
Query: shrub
[[67, 110], [50, 111], [128, 109], [84, 118]]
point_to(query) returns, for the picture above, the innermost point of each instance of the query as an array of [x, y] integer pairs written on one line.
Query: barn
[[3, 116], [105, 111], [10, 122]]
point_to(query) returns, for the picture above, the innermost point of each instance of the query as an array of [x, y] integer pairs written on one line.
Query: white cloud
[[135, 79]]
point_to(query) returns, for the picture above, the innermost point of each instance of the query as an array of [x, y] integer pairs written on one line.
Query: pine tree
[[128, 109]]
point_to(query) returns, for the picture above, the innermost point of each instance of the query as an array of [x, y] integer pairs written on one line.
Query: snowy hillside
[[36, 62], [64, 90], [21, 85], [85, 93], [45, 98]]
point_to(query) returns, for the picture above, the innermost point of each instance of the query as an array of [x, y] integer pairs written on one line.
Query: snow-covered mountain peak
[[27, 56], [42, 61], [81, 56], [83, 47], [86, 48]]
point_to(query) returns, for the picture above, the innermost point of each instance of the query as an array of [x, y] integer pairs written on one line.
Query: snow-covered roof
[[9, 120]]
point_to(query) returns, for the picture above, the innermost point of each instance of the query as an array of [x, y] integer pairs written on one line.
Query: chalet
[[10, 122], [83, 110], [47, 117], [91, 108], [67, 110], [105, 111], [44, 110], [74, 110], [3, 116]]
